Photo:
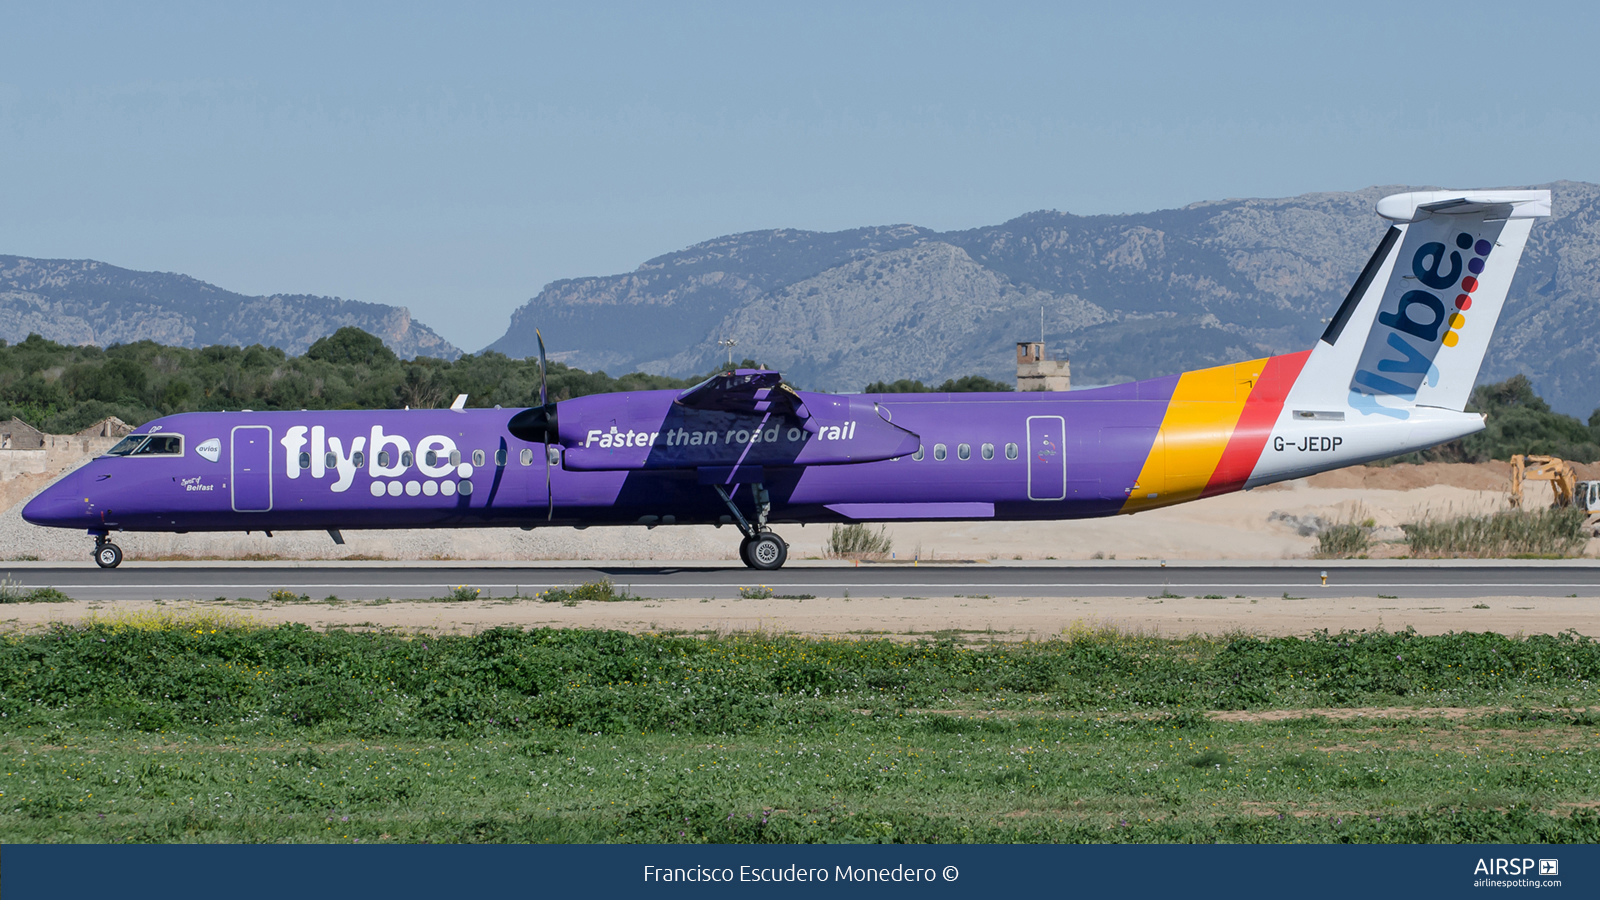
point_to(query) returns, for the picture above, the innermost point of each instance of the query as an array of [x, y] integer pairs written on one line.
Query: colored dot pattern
[[1468, 284]]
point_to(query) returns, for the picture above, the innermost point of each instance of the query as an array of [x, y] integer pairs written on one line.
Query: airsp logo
[[1524, 866]]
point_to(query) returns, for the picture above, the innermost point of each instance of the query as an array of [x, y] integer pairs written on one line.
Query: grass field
[[166, 729]]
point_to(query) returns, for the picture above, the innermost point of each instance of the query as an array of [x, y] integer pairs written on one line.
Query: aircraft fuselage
[[1081, 454]]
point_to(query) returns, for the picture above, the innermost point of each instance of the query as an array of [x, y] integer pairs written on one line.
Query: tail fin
[[1415, 326]]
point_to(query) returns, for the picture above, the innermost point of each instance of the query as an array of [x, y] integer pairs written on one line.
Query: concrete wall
[[22, 462], [59, 453]]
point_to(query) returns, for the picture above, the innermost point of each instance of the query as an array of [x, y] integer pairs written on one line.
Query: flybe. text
[[1405, 343], [383, 455]]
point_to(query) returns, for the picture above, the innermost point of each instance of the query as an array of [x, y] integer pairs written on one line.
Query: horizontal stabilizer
[[1419, 205]]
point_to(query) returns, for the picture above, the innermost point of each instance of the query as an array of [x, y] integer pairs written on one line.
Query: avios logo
[[1401, 349]]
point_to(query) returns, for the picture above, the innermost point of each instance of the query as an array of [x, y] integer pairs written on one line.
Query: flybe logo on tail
[[1414, 329]]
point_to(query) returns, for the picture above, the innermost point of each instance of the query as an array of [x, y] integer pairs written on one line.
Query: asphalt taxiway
[[1412, 579]]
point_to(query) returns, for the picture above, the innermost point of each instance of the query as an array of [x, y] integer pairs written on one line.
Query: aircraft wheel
[[767, 552], [744, 553], [108, 555]]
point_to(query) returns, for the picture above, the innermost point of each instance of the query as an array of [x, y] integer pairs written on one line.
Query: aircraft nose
[[59, 505]]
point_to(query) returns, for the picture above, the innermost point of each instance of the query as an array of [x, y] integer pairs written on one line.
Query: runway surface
[[399, 581]]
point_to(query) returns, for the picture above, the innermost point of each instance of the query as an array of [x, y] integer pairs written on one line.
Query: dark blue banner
[[33, 872]]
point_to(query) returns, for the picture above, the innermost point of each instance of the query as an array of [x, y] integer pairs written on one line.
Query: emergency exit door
[[251, 462], [1047, 458]]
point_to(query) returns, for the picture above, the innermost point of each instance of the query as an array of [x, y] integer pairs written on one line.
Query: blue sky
[[454, 159]]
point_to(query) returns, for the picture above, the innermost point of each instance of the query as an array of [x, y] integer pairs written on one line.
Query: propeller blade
[[544, 403], [544, 389]]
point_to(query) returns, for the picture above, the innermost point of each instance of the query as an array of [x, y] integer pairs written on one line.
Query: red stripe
[[1260, 413]]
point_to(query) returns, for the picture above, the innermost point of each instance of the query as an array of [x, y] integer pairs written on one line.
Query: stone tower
[[1036, 371]]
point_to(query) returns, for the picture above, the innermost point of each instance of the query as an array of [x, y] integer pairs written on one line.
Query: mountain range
[[80, 301], [1124, 296]]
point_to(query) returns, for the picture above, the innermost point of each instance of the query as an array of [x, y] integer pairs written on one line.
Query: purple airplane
[[1391, 374]]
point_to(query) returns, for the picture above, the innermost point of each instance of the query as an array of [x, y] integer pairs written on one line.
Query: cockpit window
[[148, 445]]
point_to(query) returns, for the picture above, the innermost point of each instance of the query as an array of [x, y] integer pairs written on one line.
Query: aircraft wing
[[747, 417], [744, 391]]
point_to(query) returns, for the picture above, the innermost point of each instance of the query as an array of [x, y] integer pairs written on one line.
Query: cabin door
[[1047, 458], [252, 468]]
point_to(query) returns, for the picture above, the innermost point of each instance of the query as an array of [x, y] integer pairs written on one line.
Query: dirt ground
[[974, 618]]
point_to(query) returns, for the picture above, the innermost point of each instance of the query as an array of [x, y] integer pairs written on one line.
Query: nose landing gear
[[761, 548], [106, 554]]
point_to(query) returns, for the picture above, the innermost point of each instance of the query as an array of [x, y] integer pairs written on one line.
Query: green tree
[[1517, 420], [351, 345], [962, 385]]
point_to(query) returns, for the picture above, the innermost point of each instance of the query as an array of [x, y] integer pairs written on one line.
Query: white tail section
[[1416, 324]]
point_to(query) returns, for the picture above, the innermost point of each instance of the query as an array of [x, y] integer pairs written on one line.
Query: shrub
[[159, 620], [602, 591], [1538, 532], [1342, 541], [11, 592], [858, 541]]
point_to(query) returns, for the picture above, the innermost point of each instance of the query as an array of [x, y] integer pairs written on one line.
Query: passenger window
[[477, 457], [938, 452], [305, 460], [455, 457], [988, 451], [552, 452], [330, 461], [359, 459], [406, 458], [917, 455], [383, 458], [500, 457], [430, 458], [963, 451], [526, 456], [1011, 451]]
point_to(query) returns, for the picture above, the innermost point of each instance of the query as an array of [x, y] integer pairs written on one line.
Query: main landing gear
[[106, 554], [761, 548], [765, 551]]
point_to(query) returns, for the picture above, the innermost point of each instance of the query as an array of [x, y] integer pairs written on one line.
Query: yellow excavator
[[1564, 484]]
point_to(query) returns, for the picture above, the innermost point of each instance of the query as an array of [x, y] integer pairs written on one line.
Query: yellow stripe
[[1205, 408]]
